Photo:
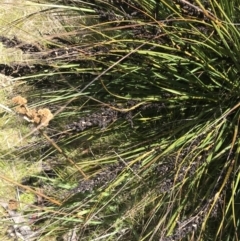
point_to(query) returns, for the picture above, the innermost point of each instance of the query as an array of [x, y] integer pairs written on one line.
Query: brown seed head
[[19, 100], [45, 116]]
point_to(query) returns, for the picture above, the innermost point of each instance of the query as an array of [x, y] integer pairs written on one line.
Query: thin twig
[[62, 152]]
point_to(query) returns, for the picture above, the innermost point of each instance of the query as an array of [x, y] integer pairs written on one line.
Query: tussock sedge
[[131, 113]]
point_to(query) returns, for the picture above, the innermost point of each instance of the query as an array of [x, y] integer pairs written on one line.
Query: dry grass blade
[[30, 189]]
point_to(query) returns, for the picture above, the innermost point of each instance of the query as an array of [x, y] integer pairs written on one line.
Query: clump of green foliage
[[146, 101]]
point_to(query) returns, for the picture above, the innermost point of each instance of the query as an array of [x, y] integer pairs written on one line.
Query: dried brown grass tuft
[[45, 116], [19, 100], [40, 117]]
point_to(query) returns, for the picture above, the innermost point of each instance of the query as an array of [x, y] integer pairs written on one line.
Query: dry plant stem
[[62, 152], [30, 189]]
